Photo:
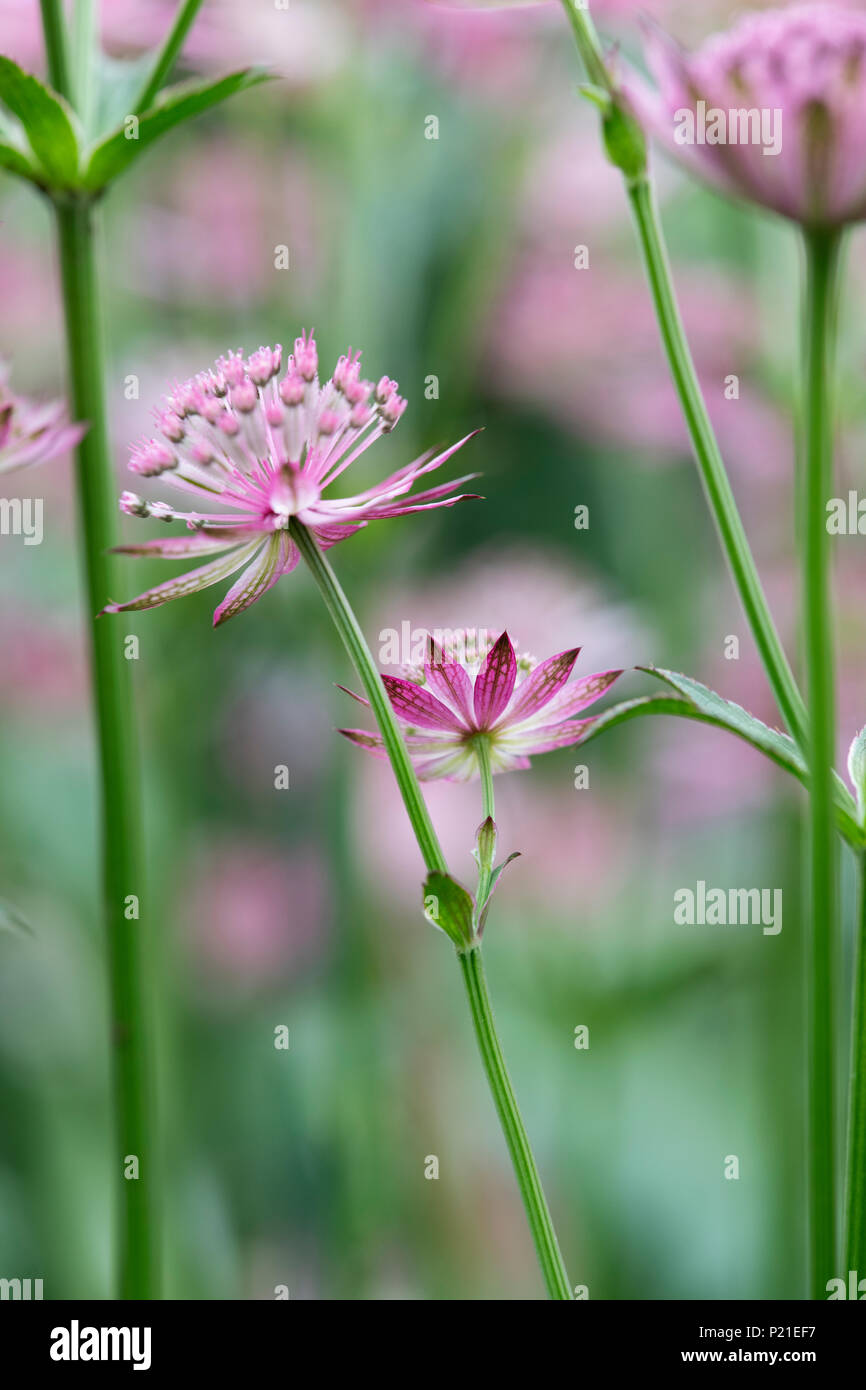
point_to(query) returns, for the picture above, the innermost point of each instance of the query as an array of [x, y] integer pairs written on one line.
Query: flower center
[[291, 491]]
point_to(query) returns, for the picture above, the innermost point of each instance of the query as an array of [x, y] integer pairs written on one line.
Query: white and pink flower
[[472, 689], [268, 451]]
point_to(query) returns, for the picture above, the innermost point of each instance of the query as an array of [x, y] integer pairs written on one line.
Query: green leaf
[[449, 907], [494, 879], [12, 920], [175, 105], [46, 120], [12, 159], [724, 713], [696, 701]]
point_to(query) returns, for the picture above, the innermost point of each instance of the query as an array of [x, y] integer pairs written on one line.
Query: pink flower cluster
[[266, 449]]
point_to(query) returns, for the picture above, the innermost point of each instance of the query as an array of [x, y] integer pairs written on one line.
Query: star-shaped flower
[[472, 688]]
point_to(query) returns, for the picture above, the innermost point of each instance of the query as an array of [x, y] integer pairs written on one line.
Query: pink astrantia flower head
[[32, 431], [471, 688], [791, 89], [265, 448]]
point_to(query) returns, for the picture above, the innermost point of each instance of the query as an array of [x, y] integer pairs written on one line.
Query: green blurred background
[[448, 258]]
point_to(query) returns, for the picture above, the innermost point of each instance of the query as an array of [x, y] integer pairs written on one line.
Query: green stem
[[353, 639], [712, 469], [56, 46], [167, 55], [588, 43], [118, 763], [822, 261], [470, 960], [855, 1238], [537, 1211], [482, 748]]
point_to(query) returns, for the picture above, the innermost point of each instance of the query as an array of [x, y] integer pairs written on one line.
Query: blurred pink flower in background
[[303, 43], [254, 915], [558, 342], [31, 431], [257, 198], [803, 68], [28, 294], [44, 666]]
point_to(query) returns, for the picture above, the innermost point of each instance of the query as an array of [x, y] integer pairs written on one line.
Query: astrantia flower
[[782, 113], [267, 450], [32, 431], [474, 688]]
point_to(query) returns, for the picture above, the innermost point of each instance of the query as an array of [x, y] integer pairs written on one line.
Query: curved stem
[[712, 469], [470, 960], [353, 640], [537, 1211], [855, 1234], [167, 55], [118, 763], [822, 260]]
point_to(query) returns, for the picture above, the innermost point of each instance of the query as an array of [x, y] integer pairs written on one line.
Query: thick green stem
[[816, 460], [167, 55], [540, 1223], [482, 1016], [118, 765], [855, 1225], [712, 469], [353, 640]]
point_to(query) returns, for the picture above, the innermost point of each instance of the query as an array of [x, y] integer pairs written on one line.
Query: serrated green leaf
[[113, 155], [449, 907], [772, 742], [12, 920], [46, 121], [696, 701]]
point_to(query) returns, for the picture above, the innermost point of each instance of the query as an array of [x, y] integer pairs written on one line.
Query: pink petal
[[575, 697], [540, 687], [195, 543], [451, 682], [189, 583], [529, 741], [405, 508], [278, 557], [419, 707], [494, 683]]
